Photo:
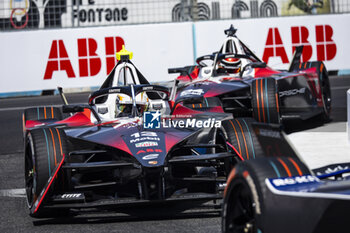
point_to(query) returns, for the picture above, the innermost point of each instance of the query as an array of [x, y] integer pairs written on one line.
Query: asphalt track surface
[[13, 212]]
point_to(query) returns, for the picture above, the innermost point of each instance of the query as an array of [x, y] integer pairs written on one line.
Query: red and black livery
[[235, 80], [76, 157]]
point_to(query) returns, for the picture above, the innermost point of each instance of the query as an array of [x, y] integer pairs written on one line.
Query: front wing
[[48, 199]]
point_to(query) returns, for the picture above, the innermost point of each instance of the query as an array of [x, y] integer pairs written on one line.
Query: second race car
[[235, 80]]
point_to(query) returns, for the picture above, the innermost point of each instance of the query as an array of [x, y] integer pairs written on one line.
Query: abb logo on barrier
[[326, 48], [89, 61]]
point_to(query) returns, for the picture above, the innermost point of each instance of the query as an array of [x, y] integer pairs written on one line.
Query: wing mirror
[[252, 65], [184, 71], [80, 108]]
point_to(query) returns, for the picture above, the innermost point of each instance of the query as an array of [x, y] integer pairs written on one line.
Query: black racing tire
[[265, 100], [43, 152], [43, 113], [325, 86], [247, 200], [241, 136]]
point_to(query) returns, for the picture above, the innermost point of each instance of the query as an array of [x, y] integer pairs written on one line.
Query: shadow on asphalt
[[111, 217], [293, 126]]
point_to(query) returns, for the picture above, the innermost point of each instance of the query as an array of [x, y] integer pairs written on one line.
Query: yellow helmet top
[[124, 54]]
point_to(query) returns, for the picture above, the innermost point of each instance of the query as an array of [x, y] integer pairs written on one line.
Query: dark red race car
[[234, 80], [116, 151]]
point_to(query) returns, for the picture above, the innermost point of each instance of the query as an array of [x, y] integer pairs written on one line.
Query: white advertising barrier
[[39, 60], [325, 38]]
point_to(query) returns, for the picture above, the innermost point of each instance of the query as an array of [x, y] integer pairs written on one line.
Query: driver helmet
[[124, 105], [231, 65]]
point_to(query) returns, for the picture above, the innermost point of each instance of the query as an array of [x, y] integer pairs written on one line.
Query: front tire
[[247, 200], [241, 136], [43, 152]]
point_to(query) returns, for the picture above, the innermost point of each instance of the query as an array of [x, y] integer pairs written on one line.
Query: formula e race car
[[279, 193], [117, 151], [236, 81]]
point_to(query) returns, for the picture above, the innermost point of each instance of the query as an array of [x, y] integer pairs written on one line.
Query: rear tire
[[247, 200], [241, 136], [42, 113], [43, 152], [265, 100]]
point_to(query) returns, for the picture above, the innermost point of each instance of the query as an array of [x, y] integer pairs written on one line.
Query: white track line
[[12, 193], [340, 88]]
